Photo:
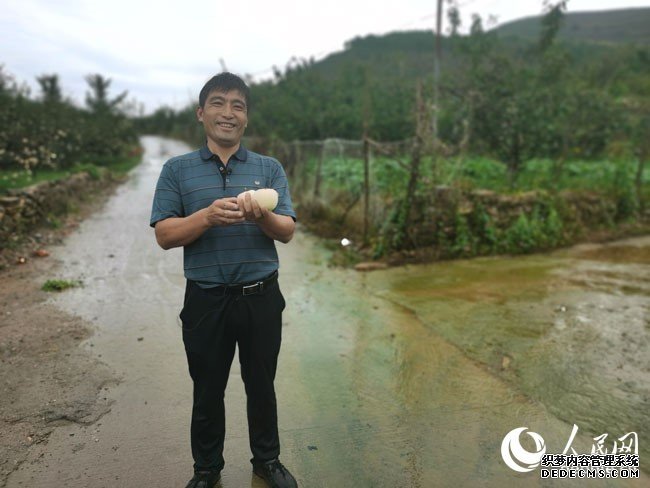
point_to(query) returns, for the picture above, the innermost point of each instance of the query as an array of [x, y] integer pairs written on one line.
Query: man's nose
[[227, 110]]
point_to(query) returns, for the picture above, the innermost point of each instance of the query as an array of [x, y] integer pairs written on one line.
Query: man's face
[[224, 117]]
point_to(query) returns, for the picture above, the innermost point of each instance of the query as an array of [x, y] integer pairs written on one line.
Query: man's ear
[[199, 114]]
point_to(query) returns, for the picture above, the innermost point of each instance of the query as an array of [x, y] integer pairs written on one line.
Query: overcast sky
[[163, 51]]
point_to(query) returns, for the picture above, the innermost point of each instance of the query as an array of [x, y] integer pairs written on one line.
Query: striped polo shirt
[[223, 255]]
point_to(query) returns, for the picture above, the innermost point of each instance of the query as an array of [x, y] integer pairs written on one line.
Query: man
[[230, 264]]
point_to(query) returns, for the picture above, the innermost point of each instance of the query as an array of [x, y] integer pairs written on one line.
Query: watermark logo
[[518, 458], [620, 459]]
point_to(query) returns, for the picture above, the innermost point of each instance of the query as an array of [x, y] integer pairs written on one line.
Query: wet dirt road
[[399, 378]]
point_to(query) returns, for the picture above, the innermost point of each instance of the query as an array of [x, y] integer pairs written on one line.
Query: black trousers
[[212, 324]]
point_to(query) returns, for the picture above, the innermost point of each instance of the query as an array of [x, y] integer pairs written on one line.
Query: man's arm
[[278, 227], [181, 231]]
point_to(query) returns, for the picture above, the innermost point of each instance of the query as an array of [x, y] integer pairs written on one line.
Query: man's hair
[[225, 82]]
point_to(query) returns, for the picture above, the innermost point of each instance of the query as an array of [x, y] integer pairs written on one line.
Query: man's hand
[[250, 207], [224, 211]]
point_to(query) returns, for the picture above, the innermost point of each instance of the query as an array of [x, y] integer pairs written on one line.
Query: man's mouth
[[226, 125]]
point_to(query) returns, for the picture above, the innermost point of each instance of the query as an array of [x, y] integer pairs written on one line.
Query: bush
[[627, 204], [37, 135], [554, 229], [485, 230], [464, 243], [523, 236]]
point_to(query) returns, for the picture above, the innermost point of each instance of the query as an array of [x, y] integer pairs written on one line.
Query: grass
[[16, 178], [604, 176], [60, 285], [54, 221], [387, 177], [19, 179], [124, 165]]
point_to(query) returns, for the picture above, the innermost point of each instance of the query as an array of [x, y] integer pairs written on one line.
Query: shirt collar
[[241, 154]]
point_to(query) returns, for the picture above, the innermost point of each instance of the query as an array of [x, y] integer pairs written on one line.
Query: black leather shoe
[[204, 479], [275, 474]]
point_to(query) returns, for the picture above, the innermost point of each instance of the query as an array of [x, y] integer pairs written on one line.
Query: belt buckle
[[252, 289]]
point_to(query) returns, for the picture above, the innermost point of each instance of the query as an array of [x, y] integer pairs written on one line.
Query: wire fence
[[343, 183], [397, 195]]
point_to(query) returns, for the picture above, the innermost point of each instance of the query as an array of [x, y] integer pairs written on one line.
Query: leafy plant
[[464, 242], [60, 285], [486, 231], [521, 236]]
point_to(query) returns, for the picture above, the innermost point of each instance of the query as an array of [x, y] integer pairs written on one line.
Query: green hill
[[630, 25], [372, 80], [409, 54], [397, 54]]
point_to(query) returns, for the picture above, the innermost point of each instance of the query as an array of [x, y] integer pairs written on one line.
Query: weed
[[54, 222], [60, 285], [464, 243], [554, 229], [520, 237]]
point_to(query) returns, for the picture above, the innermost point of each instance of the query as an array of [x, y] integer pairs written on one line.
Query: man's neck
[[224, 153]]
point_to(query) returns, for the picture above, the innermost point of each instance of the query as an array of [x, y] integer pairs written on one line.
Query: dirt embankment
[[46, 380], [451, 223]]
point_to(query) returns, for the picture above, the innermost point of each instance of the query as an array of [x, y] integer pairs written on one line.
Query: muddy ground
[[46, 379]]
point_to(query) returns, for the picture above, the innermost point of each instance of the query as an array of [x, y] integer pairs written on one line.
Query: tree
[[97, 99], [520, 106], [551, 23], [453, 16], [7, 81], [50, 88], [477, 25], [9, 85]]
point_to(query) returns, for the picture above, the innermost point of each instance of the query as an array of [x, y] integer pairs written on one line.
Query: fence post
[[299, 167], [289, 149], [414, 170], [366, 186], [319, 167]]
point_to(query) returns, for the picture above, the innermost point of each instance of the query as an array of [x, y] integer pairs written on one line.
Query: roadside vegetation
[[60, 285], [47, 137]]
